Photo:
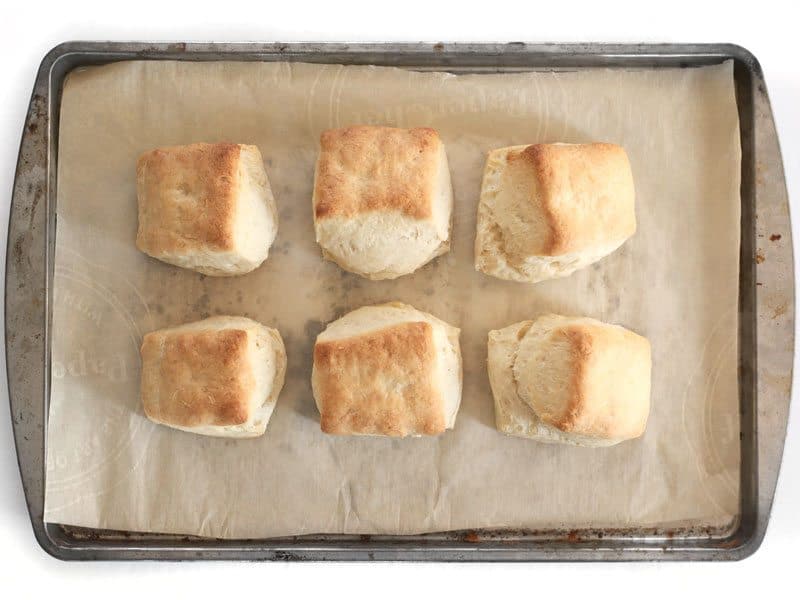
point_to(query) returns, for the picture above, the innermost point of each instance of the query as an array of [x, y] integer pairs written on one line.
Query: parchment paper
[[676, 282]]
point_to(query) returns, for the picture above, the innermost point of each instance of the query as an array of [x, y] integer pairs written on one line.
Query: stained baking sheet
[[676, 281]]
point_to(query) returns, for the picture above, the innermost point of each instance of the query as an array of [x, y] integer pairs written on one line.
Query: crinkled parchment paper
[[676, 282]]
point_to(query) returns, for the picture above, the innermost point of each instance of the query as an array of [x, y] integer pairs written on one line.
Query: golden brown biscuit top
[[609, 389], [572, 417], [187, 197], [380, 383], [584, 192], [364, 168], [197, 378]]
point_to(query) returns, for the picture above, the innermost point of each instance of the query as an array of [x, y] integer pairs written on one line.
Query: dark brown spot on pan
[[471, 537], [774, 237], [572, 536]]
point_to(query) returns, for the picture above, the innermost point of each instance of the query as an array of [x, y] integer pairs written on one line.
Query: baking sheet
[[676, 282]]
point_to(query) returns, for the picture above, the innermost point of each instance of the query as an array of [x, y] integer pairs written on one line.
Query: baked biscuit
[[547, 210], [387, 370], [206, 207], [570, 379], [382, 199], [220, 376]]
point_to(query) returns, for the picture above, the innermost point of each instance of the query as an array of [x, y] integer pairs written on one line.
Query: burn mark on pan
[[472, 537], [573, 536]]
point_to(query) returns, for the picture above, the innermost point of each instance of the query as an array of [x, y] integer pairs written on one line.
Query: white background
[[29, 29]]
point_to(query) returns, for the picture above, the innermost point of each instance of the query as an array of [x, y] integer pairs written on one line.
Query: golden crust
[[584, 191], [380, 383], [195, 378], [187, 197], [581, 345], [610, 383], [364, 168]]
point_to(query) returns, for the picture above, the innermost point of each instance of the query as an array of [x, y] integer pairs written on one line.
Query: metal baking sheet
[[765, 301]]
